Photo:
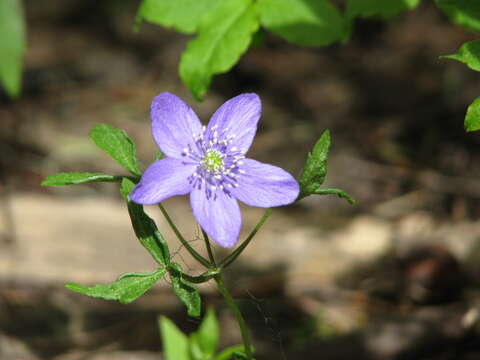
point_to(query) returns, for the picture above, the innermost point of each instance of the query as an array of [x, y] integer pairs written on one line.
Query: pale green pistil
[[213, 161]]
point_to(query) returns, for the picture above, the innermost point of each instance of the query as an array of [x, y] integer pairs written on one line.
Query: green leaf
[[63, 179], [195, 348], [229, 352], [468, 53], [117, 144], [182, 15], [145, 228], [207, 334], [126, 289], [12, 45], [175, 343], [340, 193], [472, 119], [315, 170], [303, 22], [465, 13], [381, 8], [185, 291], [240, 355], [224, 35]]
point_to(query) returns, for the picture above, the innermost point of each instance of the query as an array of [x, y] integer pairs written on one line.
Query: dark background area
[[409, 290]]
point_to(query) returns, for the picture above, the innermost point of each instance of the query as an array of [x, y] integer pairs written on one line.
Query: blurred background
[[395, 277]]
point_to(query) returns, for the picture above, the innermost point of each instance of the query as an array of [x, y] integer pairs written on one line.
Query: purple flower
[[209, 163]]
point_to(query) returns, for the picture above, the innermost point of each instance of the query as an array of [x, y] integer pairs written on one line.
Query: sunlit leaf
[[224, 35], [126, 289], [175, 343], [472, 119], [378, 8], [64, 179], [303, 22], [117, 144], [206, 337], [465, 13], [469, 54], [315, 169], [182, 15]]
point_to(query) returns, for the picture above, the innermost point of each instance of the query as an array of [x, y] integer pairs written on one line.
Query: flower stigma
[[213, 161]]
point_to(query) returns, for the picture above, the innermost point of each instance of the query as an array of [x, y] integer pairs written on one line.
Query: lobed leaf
[[126, 289], [117, 144], [303, 22], [469, 54], [182, 15], [145, 228], [64, 179], [12, 45], [175, 343], [381, 8], [224, 35], [315, 170], [472, 119], [465, 13], [185, 291]]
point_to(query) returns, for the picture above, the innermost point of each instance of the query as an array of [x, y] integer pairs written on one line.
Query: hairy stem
[[238, 315], [184, 242], [209, 248], [236, 253]]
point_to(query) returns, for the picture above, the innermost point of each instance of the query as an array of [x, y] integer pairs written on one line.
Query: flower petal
[[264, 185], [219, 216], [174, 124], [162, 179], [238, 116]]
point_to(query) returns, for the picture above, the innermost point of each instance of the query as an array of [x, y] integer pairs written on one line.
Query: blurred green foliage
[[200, 345], [12, 45], [224, 30]]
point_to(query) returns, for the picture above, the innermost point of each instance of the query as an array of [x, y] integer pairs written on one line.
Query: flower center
[[213, 161], [218, 163]]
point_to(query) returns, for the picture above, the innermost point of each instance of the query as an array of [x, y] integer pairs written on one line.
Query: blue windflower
[[209, 163]]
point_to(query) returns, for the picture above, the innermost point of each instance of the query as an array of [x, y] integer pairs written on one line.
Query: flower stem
[[209, 249], [231, 258], [238, 315], [184, 242], [202, 278]]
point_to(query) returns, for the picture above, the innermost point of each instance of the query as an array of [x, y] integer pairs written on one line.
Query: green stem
[[209, 249], [206, 276], [231, 258], [184, 242], [238, 315]]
